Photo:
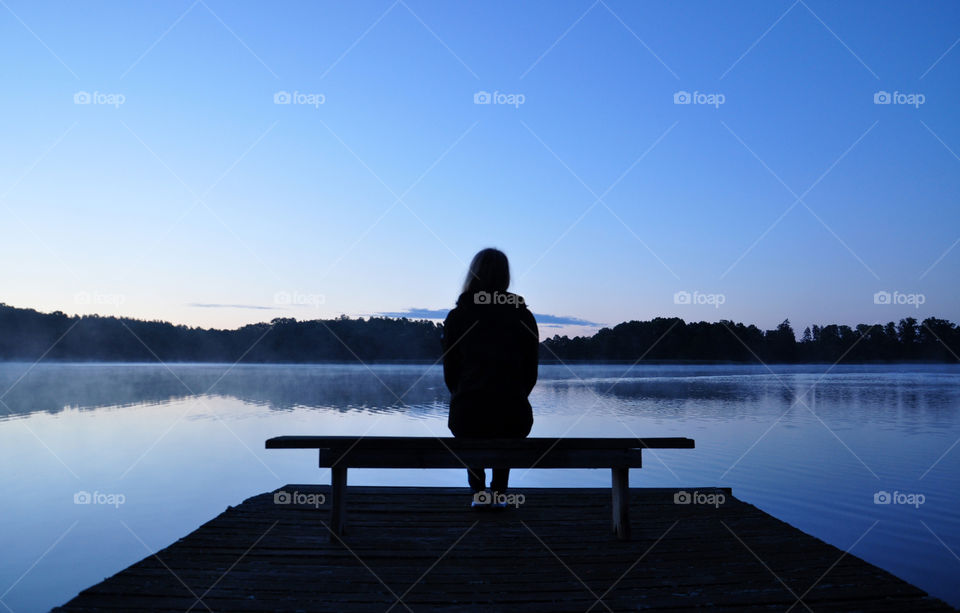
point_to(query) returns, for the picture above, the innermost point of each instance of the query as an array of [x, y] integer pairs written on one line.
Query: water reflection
[[52, 388], [182, 442], [864, 393]]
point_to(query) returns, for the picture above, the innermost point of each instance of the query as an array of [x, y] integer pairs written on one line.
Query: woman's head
[[489, 271]]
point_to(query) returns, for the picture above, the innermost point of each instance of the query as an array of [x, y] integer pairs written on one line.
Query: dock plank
[[424, 548]]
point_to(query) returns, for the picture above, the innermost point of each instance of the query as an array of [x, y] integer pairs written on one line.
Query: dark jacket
[[490, 366]]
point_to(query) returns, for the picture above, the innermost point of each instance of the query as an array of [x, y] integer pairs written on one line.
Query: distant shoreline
[[28, 335], [66, 362]]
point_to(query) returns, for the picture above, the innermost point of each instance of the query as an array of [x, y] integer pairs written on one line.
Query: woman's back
[[491, 348]]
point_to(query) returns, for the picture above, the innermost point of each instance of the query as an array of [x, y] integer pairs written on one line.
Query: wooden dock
[[410, 549]]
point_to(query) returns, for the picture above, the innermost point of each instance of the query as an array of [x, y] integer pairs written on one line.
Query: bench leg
[[338, 495], [621, 502]]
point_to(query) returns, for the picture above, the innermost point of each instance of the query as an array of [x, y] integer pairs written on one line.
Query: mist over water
[[163, 449]]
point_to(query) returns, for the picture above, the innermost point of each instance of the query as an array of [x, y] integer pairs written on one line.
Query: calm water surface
[[810, 446]]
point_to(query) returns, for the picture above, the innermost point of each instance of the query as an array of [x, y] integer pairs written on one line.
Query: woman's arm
[[531, 356], [451, 359]]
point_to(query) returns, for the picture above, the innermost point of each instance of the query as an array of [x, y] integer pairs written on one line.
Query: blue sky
[[183, 191]]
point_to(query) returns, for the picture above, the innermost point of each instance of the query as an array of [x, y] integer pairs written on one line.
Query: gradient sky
[[199, 198]]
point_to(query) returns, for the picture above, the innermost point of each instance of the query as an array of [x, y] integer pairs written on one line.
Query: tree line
[[932, 340], [26, 334]]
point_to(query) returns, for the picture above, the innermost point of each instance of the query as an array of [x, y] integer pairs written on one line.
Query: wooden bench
[[342, 452]]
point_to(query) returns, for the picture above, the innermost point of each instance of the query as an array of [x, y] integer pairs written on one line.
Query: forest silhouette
[[26, 334]]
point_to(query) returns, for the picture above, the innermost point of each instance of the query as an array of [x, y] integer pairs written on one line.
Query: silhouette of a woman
[[491, 344]]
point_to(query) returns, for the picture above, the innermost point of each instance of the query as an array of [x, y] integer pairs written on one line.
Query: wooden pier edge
[[424, 548]]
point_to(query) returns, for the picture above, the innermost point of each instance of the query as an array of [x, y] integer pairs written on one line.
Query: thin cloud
[[542, 318], [418, 313], [563, 320], [208, 305]]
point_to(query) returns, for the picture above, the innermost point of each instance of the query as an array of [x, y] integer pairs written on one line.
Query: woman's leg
[[500, 478], [477, 479]]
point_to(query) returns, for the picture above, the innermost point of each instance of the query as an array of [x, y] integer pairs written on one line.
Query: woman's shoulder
[[497, 304], [456, 312]]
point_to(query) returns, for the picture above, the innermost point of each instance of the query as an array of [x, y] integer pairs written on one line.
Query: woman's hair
[[489, 271]]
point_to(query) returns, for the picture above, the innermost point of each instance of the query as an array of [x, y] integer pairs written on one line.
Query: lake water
[[809, 444]]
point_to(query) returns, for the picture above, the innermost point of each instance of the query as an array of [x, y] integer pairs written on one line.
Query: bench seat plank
[[406, 443]]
